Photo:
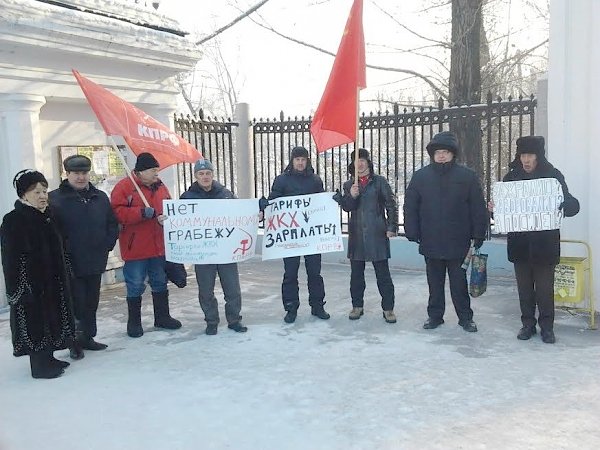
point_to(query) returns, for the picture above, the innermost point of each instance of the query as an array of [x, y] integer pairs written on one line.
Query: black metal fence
[[396, 139]]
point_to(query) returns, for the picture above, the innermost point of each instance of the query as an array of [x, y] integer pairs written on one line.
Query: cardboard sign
[[210, 231], [527, 205], [302, 225]]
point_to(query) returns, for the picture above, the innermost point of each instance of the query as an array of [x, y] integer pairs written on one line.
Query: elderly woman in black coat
[[36, 278]]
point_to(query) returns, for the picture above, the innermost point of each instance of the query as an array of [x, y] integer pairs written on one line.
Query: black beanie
[[77, 163], [299, 152], [445, 140], [531, 144], [24, 179], [145, 161]]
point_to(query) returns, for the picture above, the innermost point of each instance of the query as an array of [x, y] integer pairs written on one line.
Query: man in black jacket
[[535, 254], [204, 188], [299, 178], [373, 221], [91, 231], [444, 210]]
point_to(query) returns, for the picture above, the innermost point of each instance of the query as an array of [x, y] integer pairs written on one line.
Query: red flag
[[141, 132], [336, 118]]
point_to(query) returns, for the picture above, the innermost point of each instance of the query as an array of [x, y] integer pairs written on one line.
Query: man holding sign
[[205, 187], [535, 254], [299, 178]]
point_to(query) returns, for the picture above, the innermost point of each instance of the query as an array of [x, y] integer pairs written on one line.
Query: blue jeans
[[135, 273]]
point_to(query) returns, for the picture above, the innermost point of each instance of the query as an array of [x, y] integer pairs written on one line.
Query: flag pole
[[357, 136], [128, 171]]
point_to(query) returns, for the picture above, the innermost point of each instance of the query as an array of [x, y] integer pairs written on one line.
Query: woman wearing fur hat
[[373, 221], [36, 277], [444, 210], [535, 254]]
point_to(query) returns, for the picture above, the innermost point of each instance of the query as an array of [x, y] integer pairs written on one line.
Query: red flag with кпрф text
[[142, 132], [336, 120]]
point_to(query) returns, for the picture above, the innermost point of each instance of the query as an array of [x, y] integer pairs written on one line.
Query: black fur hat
[[531, 144], [27, 178]]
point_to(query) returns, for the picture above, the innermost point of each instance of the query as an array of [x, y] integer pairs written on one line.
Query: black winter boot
[[41, 366], [134, 319], [58, 362], [75, 349], [319, 311], [88, 343], [162, 318]]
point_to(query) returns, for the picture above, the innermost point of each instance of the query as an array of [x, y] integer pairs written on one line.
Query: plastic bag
[[478, 281], [176, 274]]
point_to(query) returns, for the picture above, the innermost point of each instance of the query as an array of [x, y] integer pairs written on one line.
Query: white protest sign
[[210, 231], [302, 225], [527, 205]]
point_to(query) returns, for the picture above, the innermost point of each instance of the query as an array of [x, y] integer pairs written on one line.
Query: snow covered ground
[[315, 384]]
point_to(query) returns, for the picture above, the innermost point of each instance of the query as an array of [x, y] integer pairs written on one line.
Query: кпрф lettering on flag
[[142, 132], [336, 120]]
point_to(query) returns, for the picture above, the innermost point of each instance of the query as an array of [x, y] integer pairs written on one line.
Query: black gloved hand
[[337, 197], [477, 243], [148, 213], [263, 203], [413, 239]]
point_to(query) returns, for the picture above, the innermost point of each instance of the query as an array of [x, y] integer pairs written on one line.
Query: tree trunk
[[465, 78]]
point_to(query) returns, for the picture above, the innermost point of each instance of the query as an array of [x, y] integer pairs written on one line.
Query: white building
[[125, 46]]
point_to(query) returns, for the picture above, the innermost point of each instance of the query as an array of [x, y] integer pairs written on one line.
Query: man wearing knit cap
[[535, 254], [444, 210], [299, 178], [142, 243], [205, 188], [91, 230], [373, 221]]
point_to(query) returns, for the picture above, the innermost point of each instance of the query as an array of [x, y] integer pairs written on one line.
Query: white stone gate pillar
[[244, 152]]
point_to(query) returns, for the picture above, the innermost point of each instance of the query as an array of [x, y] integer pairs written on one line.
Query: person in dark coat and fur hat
[[535, 254], [444, 210], [373, 221], [36, 277], [91, 230], [299, 178]]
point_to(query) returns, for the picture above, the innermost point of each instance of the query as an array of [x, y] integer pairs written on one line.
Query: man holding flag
[[141, 242]]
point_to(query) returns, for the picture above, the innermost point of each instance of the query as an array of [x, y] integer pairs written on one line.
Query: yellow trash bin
[[568, 280]]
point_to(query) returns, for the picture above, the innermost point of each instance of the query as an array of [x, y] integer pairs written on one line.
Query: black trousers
[[535, 283], [86, 296], [384, 283], [436, 278], [289, 287]]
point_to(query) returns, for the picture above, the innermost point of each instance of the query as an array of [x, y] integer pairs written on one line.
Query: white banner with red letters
[[302, 225], [210, 231]]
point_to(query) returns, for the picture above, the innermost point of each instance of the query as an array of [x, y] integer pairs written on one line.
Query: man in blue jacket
[[91, 231], [299, 178], [444, 210], [206, 187]]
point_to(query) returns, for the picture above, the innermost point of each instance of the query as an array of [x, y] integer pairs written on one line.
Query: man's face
[[204, 179], [363, 167], [442, 155], [78, 180], [148, 176], [299, 163], [529, 161]]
